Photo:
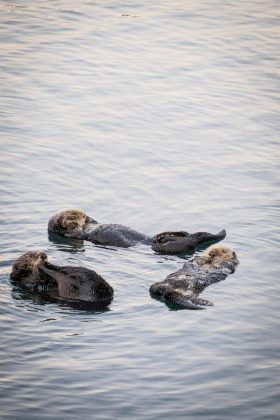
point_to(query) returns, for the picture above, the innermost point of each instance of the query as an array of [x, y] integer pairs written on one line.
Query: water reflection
[[173, 306], [72, 246], [42, 299], [170, 119]]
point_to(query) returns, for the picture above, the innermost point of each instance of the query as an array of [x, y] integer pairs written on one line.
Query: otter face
[[70, 222], [26, 268], [73, 219], [158, 288], [221, 252]]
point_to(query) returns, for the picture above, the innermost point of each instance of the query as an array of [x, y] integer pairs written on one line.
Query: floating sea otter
[[184, 286], [79, 286], [75, 223]]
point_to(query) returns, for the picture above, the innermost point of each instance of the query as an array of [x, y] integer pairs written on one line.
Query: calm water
[[157, 115]]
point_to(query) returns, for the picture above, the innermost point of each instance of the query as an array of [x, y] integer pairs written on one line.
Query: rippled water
[[157, 115]]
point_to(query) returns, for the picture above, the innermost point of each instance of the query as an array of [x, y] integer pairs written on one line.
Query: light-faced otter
[[77, 285], [184, 286], [75, 223]]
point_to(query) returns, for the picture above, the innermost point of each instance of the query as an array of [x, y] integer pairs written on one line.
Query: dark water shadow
[[173, 306], [205, 245], [42, 299], [72, 245], [198, 248], [79, 305], [172, 257]]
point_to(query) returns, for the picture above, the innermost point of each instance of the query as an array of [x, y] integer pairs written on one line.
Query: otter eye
[[234, 254]]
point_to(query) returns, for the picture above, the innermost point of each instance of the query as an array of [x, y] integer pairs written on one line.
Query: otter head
[[220, 252], [159, 288], [72, 220], [68, 222], [215, 256], [26, 268]]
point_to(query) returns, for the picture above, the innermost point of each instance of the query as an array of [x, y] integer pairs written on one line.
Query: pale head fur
[[215, 255], [69, 221], [220, 251], [72, 219]]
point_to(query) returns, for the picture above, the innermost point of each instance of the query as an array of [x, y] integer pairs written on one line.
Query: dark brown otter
[[78, 285], [75, 223]]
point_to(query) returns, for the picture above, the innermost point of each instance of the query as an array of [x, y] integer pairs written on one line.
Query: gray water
[[157, 115]]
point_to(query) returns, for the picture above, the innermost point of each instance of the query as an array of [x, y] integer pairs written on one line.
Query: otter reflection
[[80, 286]]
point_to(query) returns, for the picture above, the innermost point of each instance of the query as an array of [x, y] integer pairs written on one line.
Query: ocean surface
[[159, 116]]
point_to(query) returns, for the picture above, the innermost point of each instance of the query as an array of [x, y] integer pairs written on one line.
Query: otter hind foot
[[219, 236], [169, 236], [183, 242], [186, 301], [201, 302]]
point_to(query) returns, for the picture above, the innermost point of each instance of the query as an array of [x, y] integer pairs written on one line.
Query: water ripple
[[158, 116]]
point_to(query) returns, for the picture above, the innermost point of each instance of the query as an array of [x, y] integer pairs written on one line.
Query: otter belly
[[116, 235]]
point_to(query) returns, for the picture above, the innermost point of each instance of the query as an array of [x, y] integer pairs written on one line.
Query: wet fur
[[75, 223], [71, 222], [78, 284], [26, 269], [183, 242], [184, 286]]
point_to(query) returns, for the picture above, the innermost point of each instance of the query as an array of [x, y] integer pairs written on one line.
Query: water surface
[[157, 115]]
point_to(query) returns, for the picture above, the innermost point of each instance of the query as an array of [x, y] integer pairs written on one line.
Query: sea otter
[[75, 223], [184, 286], [77, 285]]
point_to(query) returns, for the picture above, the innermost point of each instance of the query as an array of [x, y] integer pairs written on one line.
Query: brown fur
[[25, 269], [78, 284], [184, 286], [71, 219]]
